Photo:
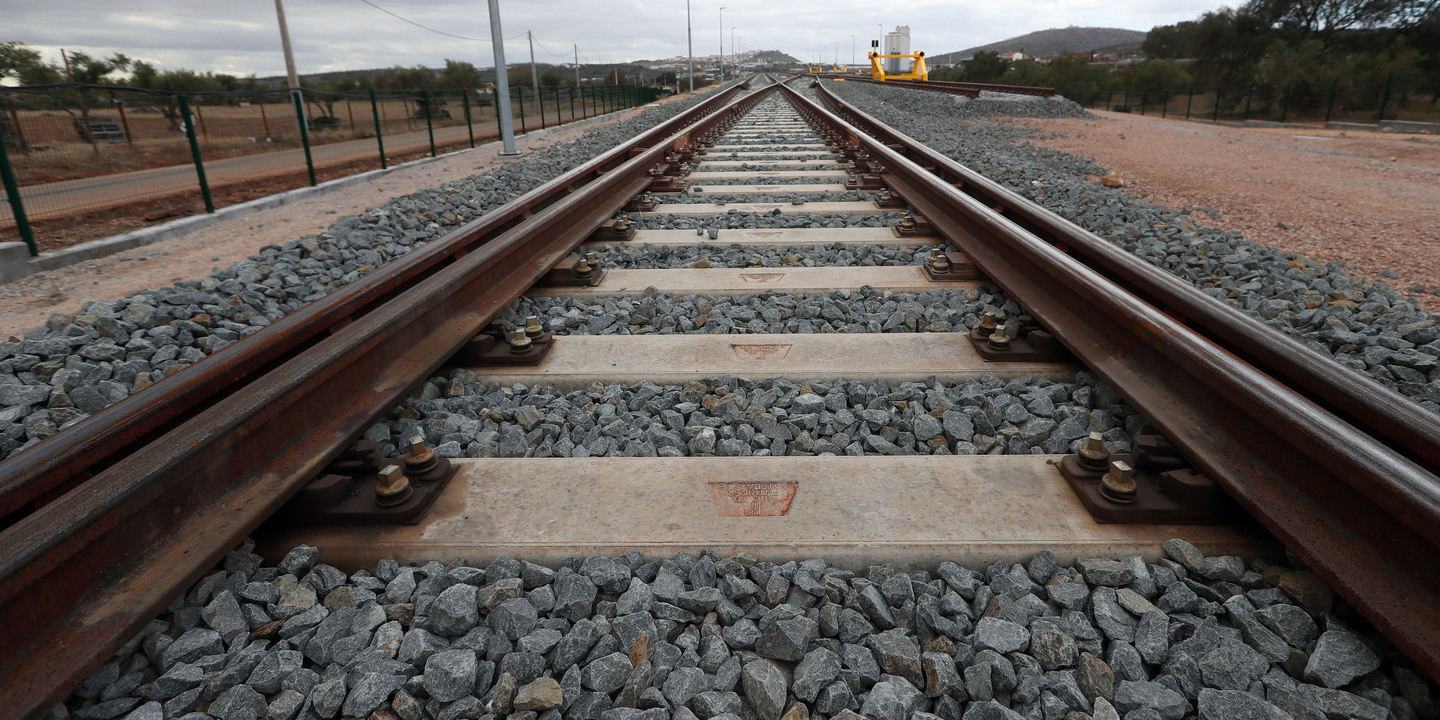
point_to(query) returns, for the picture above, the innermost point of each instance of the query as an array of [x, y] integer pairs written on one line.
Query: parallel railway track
[[112, 518]]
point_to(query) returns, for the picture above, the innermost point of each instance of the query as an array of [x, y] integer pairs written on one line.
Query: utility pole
[[502, 82], [722, 43], [852, 50], [289, 57], [690, 46], [534, 74], [577, 67]]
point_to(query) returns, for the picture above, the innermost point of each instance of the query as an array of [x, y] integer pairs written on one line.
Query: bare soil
[[1370, 200], [62, 232], [27, 303]]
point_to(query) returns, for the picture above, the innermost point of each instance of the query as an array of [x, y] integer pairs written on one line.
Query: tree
[[985, 67], [459, 74], [1169, 41], [555, 77], [519, 75], [1157, 76], [1074, 75], [26, 66], [410, 81], [330, 91], [95, 71], [172, 83]]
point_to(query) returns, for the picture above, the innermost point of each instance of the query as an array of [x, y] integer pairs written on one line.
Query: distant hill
[[1050, 42]]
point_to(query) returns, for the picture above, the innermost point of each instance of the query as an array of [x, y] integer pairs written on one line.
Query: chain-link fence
[[1348, 99], [83, 161]]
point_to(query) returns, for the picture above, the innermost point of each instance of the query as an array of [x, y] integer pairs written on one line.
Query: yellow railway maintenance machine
[[816, 69], [917, 72]]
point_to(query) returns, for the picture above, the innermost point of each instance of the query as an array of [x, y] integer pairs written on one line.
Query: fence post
[[1188, 101], [1385, 98], [540, 106], [1143, 97], [521, 90], [571, 93], [1330, 105], [12, 191], [465, 98], [1215, 115], [124, 122], [1285, 103], [304, 137], [19, 131], [429, 124], [1248, 94], [379, 139], [495, 103], [195, 152]]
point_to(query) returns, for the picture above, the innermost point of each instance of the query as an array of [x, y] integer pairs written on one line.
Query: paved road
[[95, 193]]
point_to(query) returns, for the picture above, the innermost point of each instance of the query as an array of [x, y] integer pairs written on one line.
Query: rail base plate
[[1171, 497]]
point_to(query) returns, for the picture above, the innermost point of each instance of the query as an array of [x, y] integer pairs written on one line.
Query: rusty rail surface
[[1340, 469], [83, 573], [49, 469]]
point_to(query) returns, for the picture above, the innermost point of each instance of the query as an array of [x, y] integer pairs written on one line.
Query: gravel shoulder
[[1369, 200], [29, 302]]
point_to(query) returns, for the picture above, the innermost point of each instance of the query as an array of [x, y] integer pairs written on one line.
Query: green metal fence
[[79, 162], [1358, 100]]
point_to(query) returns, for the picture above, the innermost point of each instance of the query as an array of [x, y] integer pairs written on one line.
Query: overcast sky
[[241, 36]]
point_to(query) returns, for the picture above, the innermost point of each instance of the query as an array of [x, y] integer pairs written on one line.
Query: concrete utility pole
[[534, 74], [577, 67], [502, 82], [690, 46], [294, 79], [852, 49], [722, 43]]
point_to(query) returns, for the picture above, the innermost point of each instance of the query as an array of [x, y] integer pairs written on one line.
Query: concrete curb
[[16, 263]]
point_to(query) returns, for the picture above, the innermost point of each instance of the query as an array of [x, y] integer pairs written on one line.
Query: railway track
[[967, 89], [114, 518]]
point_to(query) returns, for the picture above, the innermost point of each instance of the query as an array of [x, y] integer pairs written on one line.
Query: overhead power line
[[423, 27], [402, 18]]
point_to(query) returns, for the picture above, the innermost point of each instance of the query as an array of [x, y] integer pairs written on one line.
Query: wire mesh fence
[[1341, 99], [83, 161]]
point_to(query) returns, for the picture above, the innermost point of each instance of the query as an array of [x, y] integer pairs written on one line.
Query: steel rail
[[53, 467], [83, 573], [1362, 514]]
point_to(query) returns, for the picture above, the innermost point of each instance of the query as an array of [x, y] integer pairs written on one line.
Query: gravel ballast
[[734, 416], [690, 637], [720, 255], [864, 310], [1367, 327]]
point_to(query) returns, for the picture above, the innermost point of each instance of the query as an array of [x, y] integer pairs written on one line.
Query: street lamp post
[[722, 43], [690, 46], [502, 82]]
